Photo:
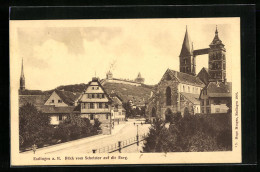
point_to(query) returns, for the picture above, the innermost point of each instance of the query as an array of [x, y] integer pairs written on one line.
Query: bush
[[191, 133], [34, 127]]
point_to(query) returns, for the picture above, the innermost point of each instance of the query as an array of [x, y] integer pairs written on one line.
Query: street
[[121, 132]]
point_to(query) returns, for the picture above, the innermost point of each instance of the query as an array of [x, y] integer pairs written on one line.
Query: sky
[[65, 52]]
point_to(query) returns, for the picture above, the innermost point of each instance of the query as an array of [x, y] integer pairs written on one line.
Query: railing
[[120, 144]]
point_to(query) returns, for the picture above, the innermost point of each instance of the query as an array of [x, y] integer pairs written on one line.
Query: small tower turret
[[139, 78], [109, 75]]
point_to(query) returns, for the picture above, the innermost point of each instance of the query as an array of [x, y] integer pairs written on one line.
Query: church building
[[180, 92]]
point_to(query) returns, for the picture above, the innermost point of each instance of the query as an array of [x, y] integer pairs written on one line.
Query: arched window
[[183, 89], [168, 96]]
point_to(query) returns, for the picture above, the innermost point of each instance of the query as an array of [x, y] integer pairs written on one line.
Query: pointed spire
[[185, 50], [22, 73], [216, 39]]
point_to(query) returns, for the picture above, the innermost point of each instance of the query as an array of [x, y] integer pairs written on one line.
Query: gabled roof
[[51, 109], [185, 50], [219, 89], [187, 79], [96, 81], [67, 96], [193, 98], [36, 100]]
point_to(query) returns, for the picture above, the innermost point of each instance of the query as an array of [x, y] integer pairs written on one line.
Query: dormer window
[[59, 101], [97, 88], [93, 95], [93, 88], [103, 96], [52, 101]]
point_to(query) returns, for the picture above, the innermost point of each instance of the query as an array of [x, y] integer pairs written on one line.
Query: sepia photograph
[[125, 91]]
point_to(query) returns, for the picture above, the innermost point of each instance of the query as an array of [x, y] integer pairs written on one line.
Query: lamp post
[[137, 137]]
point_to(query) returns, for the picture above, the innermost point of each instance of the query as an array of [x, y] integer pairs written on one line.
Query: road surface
[[128, 130]]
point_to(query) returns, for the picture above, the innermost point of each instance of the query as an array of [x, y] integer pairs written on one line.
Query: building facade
[[216, 97], [176, 92], [117, 111], [95, 103]]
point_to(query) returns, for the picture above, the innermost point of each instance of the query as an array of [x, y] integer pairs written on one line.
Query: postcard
[[125, 91]]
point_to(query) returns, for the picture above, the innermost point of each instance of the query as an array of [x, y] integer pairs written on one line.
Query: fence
[[120, 144]]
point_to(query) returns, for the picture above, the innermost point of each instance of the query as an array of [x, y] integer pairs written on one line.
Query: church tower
[[187, 62], [217, 60], [22, 79]]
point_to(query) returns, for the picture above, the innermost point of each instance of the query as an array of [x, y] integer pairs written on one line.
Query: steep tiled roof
[[67, 96], [185, 50], [49, 109], [193, 98], [219, 89], [187, 79], [36, 100], [115, 100]]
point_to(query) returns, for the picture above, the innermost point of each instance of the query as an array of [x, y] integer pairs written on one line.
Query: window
[[208, 110], [106, 105], [91, 116], [183, 89], [52, 101], [93, 88], [97, 95], [207, 102], [103, 96], [106, 116], [97, 88], [168, 96], [188, 89], [202, 102], [100, 105], [91, 105], [93, 95], [59, 101], [60, 117], [202, 110], [83, 105]]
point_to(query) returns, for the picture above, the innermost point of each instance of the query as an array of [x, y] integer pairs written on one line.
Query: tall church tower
[[187, 61], [22, 79], [217, 60]]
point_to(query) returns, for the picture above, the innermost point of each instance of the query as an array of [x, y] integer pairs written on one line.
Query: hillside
[[138, 94]]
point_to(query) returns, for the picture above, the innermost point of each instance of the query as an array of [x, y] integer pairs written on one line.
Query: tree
[[128, 109], [96, 127], [157, 140], [75, 127], [34, 126]]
